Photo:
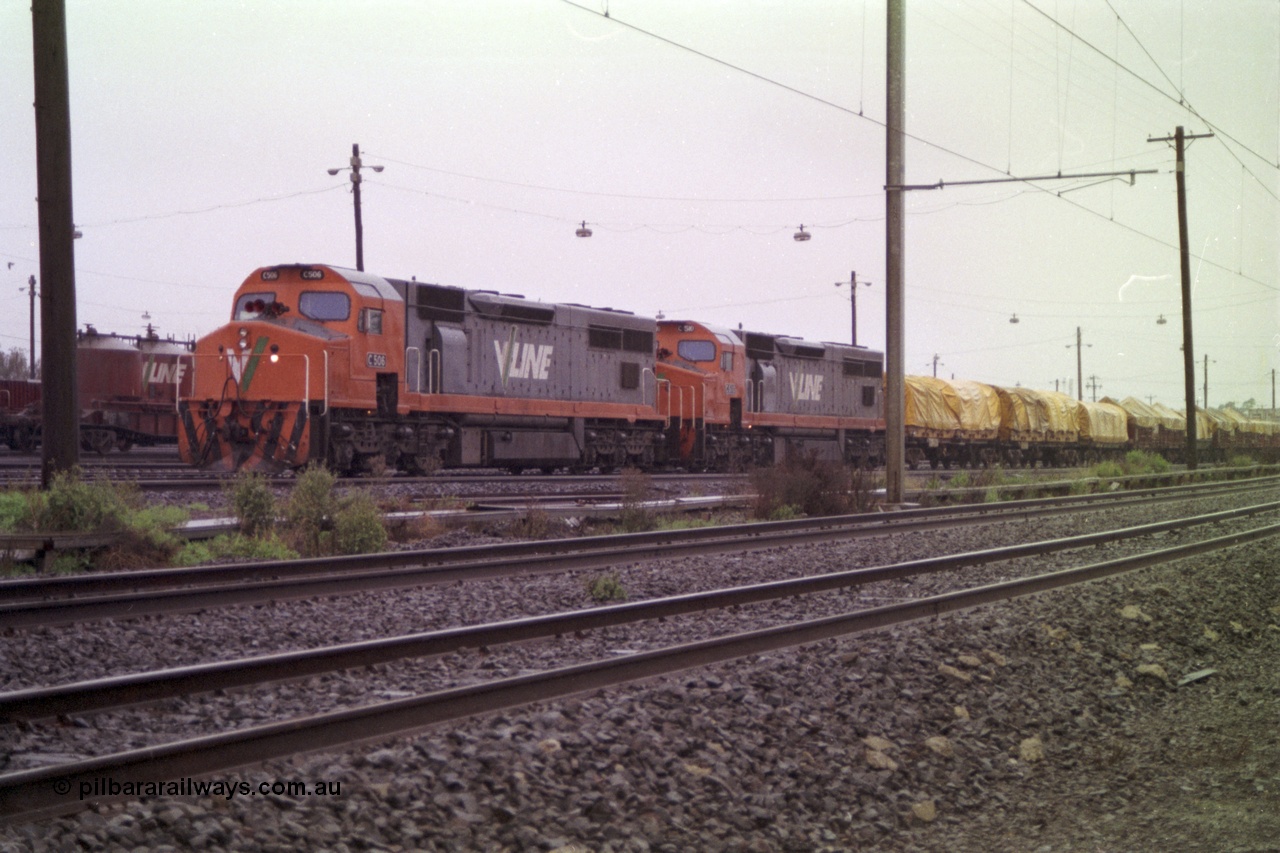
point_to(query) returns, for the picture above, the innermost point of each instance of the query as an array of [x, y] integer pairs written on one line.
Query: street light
[[852, 284], [31, 289], [355, 192]]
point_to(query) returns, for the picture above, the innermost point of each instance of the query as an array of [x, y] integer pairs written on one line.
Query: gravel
[[1051, 723]]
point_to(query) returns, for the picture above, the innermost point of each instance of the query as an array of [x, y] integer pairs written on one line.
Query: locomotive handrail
[[418, 375], [703, 448], [433, 368], [306, 376]]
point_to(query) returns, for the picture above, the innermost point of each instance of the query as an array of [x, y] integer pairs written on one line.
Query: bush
[[252, 502], [320, 524], [802, 486], [1107, 470], [1142, 462], [309, 513], [357, 526], [71, 505]]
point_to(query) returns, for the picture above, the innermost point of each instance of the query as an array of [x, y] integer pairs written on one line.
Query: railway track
[[46, 601], [35, 790]]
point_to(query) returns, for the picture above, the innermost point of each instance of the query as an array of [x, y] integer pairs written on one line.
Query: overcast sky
[[694, 138]]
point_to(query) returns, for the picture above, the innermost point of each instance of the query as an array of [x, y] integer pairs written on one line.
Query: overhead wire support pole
[[1179, 139], [895, 169]]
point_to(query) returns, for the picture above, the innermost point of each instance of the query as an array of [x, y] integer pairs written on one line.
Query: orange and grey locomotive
[[365, 373], [360, 372]]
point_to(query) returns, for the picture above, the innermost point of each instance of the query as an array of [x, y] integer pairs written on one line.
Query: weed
[[683, 523], [534, 524], [13, 506], [415, 528], [70, 563], [1080, 487], [252, 502], [635, 517], [606, 588], [233, 547]]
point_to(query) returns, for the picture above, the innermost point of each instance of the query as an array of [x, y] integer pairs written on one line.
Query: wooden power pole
[[61, 428]]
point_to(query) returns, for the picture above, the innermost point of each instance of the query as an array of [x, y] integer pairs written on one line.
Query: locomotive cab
[[302, 340], [706, 369]]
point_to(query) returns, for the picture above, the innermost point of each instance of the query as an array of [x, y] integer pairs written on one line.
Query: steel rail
[[348, 575], [21, 589], [29, 792], [118, 691]]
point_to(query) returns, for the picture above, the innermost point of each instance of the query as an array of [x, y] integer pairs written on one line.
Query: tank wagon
[[127, 387]]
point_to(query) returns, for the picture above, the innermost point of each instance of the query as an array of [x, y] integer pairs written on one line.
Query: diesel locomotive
[[364, 373]]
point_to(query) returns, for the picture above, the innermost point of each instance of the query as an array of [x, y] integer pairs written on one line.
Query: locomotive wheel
[[24, 440], [124, 445], [101, 442]]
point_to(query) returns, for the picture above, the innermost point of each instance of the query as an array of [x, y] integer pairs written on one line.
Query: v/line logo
[[162, 373], [244, 365], [522, 360], [806, 386]]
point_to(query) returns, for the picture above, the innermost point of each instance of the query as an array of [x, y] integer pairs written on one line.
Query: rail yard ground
[[1055, 723]]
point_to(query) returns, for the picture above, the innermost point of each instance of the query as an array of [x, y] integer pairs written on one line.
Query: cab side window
[[325, 305], [370, 321], [694, 350]]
